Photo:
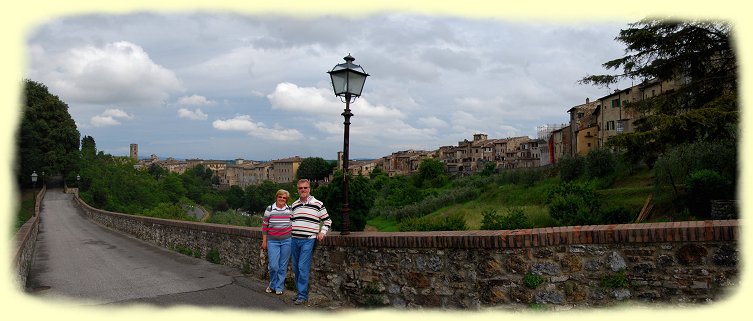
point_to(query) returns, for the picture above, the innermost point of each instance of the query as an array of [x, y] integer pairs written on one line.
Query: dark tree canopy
[[697, 54], [314, 169], [48, 139]]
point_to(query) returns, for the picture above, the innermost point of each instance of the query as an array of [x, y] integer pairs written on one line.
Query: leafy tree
[[600, 162], [314, 169], [705, 106], [48, 139], [571, 167], [360, 200], [262, 195], [431, 173], [234, 197]]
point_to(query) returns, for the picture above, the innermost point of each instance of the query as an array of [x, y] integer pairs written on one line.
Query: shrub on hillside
[[515, 219], [675, 166], [573, 204], [599, 163], [706, 185], [453, 222], [571, 167]]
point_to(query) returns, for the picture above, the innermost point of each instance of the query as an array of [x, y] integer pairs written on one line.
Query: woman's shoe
[[268, 290]]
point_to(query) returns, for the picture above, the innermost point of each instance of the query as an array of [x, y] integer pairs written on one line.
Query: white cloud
[[195, 100], [196, 114], [432, 122], [312, 100], [289, 96], [107, 118], [244, 123], [114, 73]]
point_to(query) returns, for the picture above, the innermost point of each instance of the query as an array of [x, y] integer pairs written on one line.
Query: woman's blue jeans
[[278, 254], [302, 251]]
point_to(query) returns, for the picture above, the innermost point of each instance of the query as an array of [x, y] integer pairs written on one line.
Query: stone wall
[[680, 262], [26, 239]]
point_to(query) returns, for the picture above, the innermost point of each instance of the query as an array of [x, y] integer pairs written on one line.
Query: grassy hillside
[[629, 192]]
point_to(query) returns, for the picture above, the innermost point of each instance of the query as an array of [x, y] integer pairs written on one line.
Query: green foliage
[[431, 173], [360, 200], [532, 281], [674, 167], [618, 280], [213, 256], [573, 204], [571, 167], [232, 217], [314, 169], [706, 185], [168, 211], [599, 163], [262, 195], [452, 222], [48, 139], [489, 169], [183, 250], [515, 219]]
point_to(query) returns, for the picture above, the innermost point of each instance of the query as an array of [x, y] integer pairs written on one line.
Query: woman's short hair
[[282, 192]]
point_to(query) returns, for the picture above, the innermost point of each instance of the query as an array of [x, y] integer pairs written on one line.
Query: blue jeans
[[302, 251], [278, 254]]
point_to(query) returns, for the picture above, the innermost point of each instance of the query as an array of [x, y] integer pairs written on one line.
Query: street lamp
[[347, 82], [78, 185], [34, 178]]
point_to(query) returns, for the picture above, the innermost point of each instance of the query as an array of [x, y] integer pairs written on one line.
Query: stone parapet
[[578, 266]]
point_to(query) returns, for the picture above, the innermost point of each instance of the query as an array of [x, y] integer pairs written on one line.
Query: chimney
[[588, 100]]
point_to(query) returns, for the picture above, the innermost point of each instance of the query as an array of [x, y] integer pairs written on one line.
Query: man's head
[[304, 188]]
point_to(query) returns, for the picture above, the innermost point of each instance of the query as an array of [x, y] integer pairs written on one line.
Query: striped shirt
[[276, 223], [308, 217]]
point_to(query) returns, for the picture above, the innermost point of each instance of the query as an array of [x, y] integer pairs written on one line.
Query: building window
[[615, 103]]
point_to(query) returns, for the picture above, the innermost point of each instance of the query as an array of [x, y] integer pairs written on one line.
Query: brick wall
[[679, 262]]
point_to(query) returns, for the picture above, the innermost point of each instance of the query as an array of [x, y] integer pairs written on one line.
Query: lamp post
[[347, 82], [34, 179], [78, 185]]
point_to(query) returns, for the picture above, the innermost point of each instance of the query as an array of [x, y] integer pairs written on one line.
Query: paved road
[[75, 258]]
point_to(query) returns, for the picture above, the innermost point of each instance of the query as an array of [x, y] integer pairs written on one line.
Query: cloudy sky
[[224, 85]]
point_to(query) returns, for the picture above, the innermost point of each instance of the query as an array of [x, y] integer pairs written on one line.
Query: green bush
[[573, 204], [453, 222], [675, 166], [213, 256], [571, 167], [600, 162], [706, 185], [616, 215], [515, 219]]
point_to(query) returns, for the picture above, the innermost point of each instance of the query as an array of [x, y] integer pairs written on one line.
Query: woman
[[276, 241]]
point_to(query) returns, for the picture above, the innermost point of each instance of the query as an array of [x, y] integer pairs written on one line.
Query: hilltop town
[[591, 125]]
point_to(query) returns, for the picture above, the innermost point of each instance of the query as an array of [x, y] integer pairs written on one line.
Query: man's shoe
[[299, 301], [278, 292], [268, 290]]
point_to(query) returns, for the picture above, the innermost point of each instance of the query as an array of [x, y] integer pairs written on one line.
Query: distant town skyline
[[226, 85]]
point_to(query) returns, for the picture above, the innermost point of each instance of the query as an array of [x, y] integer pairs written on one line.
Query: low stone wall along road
[[76, 258]]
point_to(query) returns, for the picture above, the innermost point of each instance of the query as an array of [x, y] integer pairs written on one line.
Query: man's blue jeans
[[302, 251], [278, 254]]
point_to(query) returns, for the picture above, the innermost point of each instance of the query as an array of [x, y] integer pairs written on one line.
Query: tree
[[314, 169], [360, 200], [696, 53], [431, 173], [48, 139]]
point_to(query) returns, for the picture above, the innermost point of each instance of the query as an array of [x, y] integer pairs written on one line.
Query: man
[[310, 223]]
